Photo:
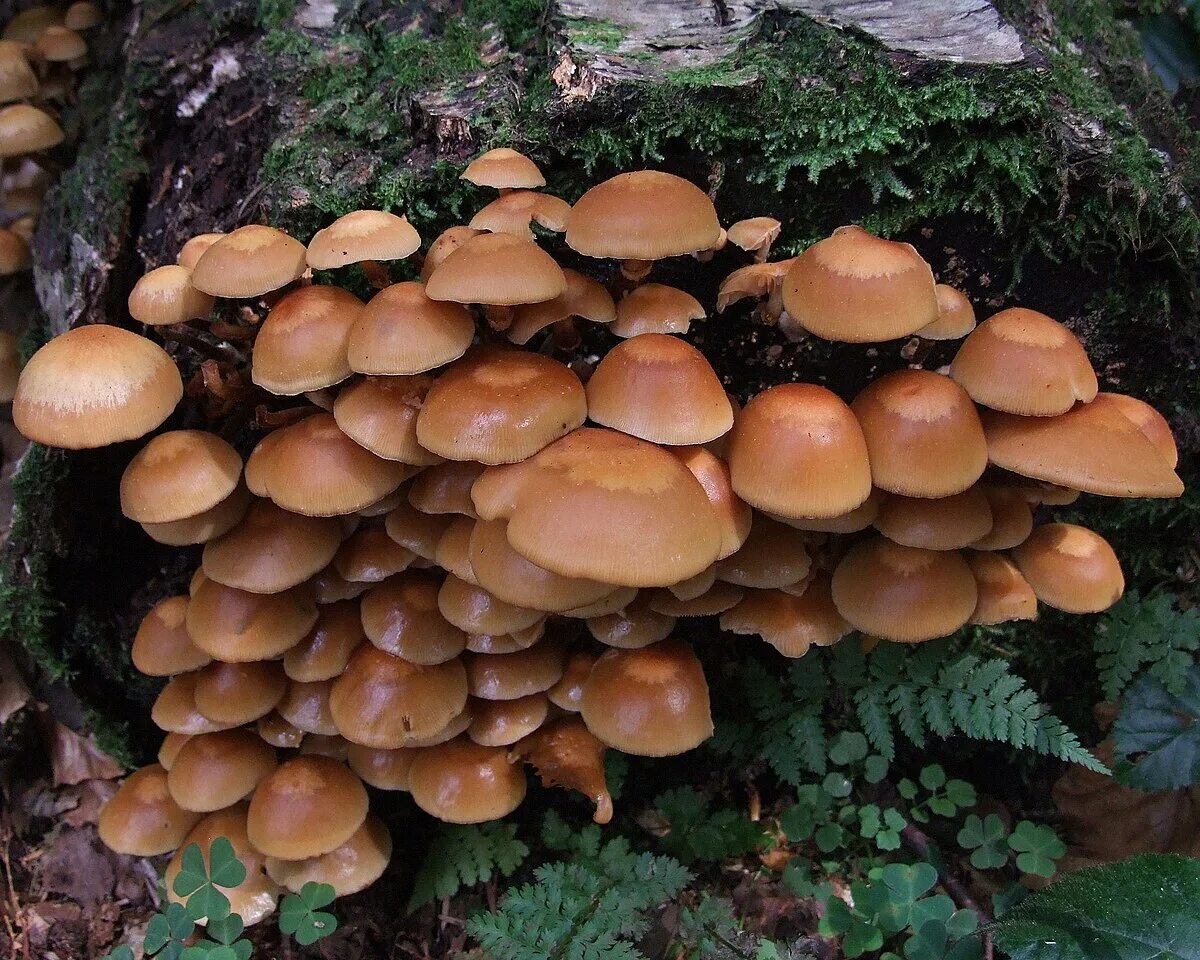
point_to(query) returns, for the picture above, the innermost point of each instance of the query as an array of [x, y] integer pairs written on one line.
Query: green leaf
[[1143, 908], [120, 953], [928, 943], [1037, 848], [193, 873], [960, 793], [225, 930], [907, 789], [829, 837], [985, 838], [1163, 730], [224, 868], [861, 938], [317, 895], [798, 822], [301, 920], [848, 747], [157, 933], [910, 881], [700, 834], [836, 785], [797, 877], [875, 768], [932, 777], [461, 856], [1150, 632]]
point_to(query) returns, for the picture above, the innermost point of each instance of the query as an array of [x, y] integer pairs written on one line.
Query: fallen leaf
[[74, 757]]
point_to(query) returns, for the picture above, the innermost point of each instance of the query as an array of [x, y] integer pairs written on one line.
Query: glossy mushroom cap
[[249, 262], [93, 386], [161, 646], [402, 332], [362, 235], [1004, 594], [945, 523], [497, 268], [142, 819], [380, 414], [326, 649], [644, 215], [660, 389], [382, 769], [924, 438], [772, 556], [790, 624], [583, 297], [271, 550], [191, 252], [302, 344], [17, 79], [1012, 520], [858, 288], [446, 488], [797, 450], [567, 693], [901, 593], [1070, 568], [471, 608], [733, 514], [369, 555], [522, 673], [956, 316], [236, 626], [175, 710], [60, 44], [756, 280], [513, 211], [453, 552], [306, 706], [718, 598], [308, 806], [216, 770], [26, 129], [1020, 361], [177, 475], [236, 693], [755, 235], [203, 526], [634, 626], [443, 245], [349, 868], [401, 617], [505, 169], [655, 308], [463, 782], [165, 295], [501, 723], [1143, 416]]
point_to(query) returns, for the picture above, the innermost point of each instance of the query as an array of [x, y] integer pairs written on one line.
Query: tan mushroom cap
[[204, 526], [472, 609], [306, 706], [1004, 594], [369, 555], [500, 406], [237, 626], [254, 898], [278, 732], [604, 506], [142, 819], [382, 769], [401, 332], [83, 15], [60, 44], [328, 646], [501, 723], [27, 25], [401, 617], [506, 642], [161, 646], [165, 296], [509, 676], [15, 255], [177, 475], [380, 413], [956, 316], [303, 343], [453, 552], [1093, 448], [505, 169], [446, 488], [10, 366], [651, 702], [852, 521], [634, 626], [755, 280], [325, 745], [169, 749], [216, 770], [583, 297], [944, 523], [381, 507], [655, 308], [791, 624], [464, 782], [237, 693], [858, 288], [271, 550], [457, 725], [352, 867], [362, 235], [416, 531], [797, 450], [497, 268], [773, 555], [383, 701], [249, 262], [1021, 361], [1070, 568], [644, 215], [513, 211], [903, 594], [306, 807], [660, 389], [496, 489], [733, 514], [17, 79], [718, 598], [95, 385], [924, 437], [193, 250], [26, 129], [1012, 520], [755, 235], [443, 245], [567, 694], [1143, 416], [566, 754], [175, 711]]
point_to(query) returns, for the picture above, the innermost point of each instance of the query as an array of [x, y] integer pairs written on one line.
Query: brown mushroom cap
[[903, 594], [858, 288], [278, 732], [717, 599], [383, 701], [216, 770], [755, 280], [655, 308], [446, 488], [583, 297], [369, 555], [95, 385], [352, 867], [923, 434], [362, 235], [306, 706], [644, 215], [1093, 448], [28, 24], [660, 389], [161, 646], [169, 749], [1004, 594], [328, 646], [177, 475], [453, 552], [695, 586], [512, 212], [271, 550], [302, 345], [236, 693], [1020, 361], [501, 723], [380, 413], [443, 245], [1012, 520], [165, 295], [15, 255], [852, 521], [249, 262], [17, 79], [306, 807], [566, 754], [382, 769], [797, 450], [402, 332], [191, 252], [83, 15], [567, 694], [945, 523], [508, 676], [496, 268], [1143, 416], [236, 626], [772, 556], [500, 406], [416, 531], [506, 642], [956, 316], [1070, 568], [401, 617], [754, 234], [505, 169], [204, 526], [463, 782], [175, 710], [651, 702], [26, 129], [472, 609], [634, 626], [60, 44], [789, 623], [142, 819], [733, 514]]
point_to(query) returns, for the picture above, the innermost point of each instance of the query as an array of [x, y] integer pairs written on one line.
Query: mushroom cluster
[[455, 556]]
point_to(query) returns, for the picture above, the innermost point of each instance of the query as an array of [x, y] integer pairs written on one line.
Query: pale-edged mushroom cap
[[716, 599], [859, 288], [508, 676], [500, 406], [643, 215], [380, 413], [83, 15], [734, 515], [17, 79], [443, 245], [271, 550], [1070, 568], [513, 212], [495, 490], [1004, 594], [302, 345], [191, 252], [382, 769], [26, 129], [903, 594], [655, 308], [453, 552], [169, 749], [349, 868], [501, 723], [566, 754], [142, 819], [165, 296], [414, 530], [1012, 520], [791, 624], [1093, 448], [161, 647], [278, 732], [693, 587], [326, 745], [945, 523], [498, 269], [175, 710], [756, 280], [237, 693], [326, 649], [506, 642], [249, 262], [369, 555], [28, 24], [924, 436], [446, 488], [60, 44], [1143, 416], [567, 694], [204, 526], [504, 169], [10, 366], [306, 706], [474, 610], [463, 782], [755, 235], [308, 806], [402, 617], [634, 626], [774, 555], [383, 701], [956, 316], [583, 297], [15, 255], [381, 507], [237, 626], [457, 726], [95, 385], [661, 389], [213, 771], [1021, 361], [362, 235], [401, 332], [177, 475], [852, 521], [651, 702]]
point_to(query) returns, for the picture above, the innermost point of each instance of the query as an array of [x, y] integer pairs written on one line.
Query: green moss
[[598, 34], [273, 14]]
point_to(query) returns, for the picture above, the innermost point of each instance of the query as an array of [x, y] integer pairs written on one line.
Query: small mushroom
[[634, 626], [1004, 594], [349, 868], [655, 308], [513, 211], [501, 723], [308, 806], [382, 769], [380, 414], [505, 169], [509, 676], [401, 616], [161, 647], [583, 297], [249, 262], [943, 523], [566, 754], [773, 555], [1070, 568], [26, 129], [236, 626], [755, 235], [464, 782], [142, 819], [446, 488], [237, 693], [165, 296], [956, 316], [213, 771], [203, 526], [191, 252], [791, 624], [401, 332], [302, 345], [271, 550], [326, 649], [306, 706], [365, 237]]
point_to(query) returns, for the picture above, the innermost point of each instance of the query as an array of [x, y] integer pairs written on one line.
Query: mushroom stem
[[774, 307], [376, 273], [636, 270], [565, 335], [188, 337], [761, 254], [499, 317]]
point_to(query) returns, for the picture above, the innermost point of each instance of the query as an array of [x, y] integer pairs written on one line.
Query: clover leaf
[[1037, 847], [986, 839], [300, 915]]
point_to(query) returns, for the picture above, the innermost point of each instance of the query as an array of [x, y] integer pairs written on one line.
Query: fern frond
[[1150, 632], [462, 856]]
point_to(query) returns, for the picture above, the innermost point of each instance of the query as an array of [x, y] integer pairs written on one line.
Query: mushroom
[[1070, 568], [755, 235], [236, 626], [369, 555], [415, 530], [716, 599], [278, 732], [734, 516], [501, 723], [249, 262], [175, 711], [567, 694], [695, 586], [177, 475], [308, 806], [26, 129], [566, 754], [83, 15], [1004, 594], [302, 345], [453, 552], [15, 256], [349, 868], [28, 24], [583, 297], [60, 44], [401, 331], [944, 523], [513, 211], [509, 676], [142, 819], [772, 556], [506, 642], [472, 609], [237, 693], [364, 237], [17, 79], [382, 769], [446, 488], [166, 296], [1143, 416], [380, 414], [956, 316], [203, 526], [1012, 520], [191, 252], [464, 782], [655, 308], [790, 624], [852, 521], [401, 616], [443, 245], [271, 550], [634, 626], [505, 169], [307, 707], [169, 749], [758, 280], [161, 647], [326, 649], [213, 771]]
